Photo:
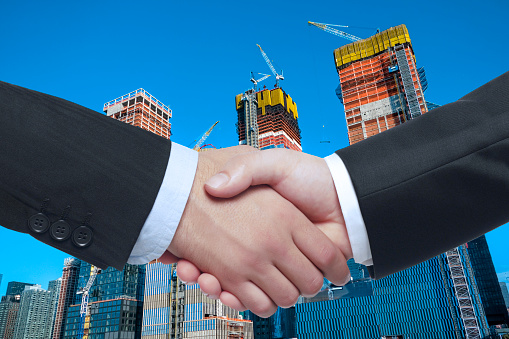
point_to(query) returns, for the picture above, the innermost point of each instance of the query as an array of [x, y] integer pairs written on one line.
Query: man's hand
[[260, 247], [303, 179]]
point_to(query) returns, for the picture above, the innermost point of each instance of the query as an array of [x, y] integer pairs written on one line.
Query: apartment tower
[[68, 286], [380, 84], [139, 108], [267, 119]]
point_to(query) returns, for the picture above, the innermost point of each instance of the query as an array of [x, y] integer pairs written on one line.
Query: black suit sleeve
[[74, 178], [435, 182]]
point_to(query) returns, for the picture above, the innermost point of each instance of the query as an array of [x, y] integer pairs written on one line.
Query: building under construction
[[139, 108], [268, 119], [206, 318], [163, 304], [380, 85]]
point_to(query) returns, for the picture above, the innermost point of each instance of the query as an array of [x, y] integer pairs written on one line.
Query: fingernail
[[218, 180]]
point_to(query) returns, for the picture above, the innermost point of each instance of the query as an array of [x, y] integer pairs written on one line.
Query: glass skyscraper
[[487, 282], [116, 303], [419, 302], [163, 305]]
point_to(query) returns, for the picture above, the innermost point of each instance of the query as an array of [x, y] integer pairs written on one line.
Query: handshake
[[261, 228]]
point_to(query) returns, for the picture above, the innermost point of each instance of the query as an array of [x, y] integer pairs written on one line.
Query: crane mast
[[85, 309]]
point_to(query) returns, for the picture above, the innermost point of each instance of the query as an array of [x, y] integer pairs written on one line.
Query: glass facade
[[282, 324], [163, 305], [505, 293], [487, 282], [16, 288], [115, 302], [416, 303], [207, 318]]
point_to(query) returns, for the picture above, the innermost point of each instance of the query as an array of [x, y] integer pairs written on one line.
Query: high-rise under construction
[[267, 119], [380, 85], [139, 108]]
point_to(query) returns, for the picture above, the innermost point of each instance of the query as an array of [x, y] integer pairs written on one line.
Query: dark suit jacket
[[436, 182], [74, 178]]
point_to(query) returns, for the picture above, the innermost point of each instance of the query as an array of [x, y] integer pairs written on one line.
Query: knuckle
[[289, 299], [328, 256], [313, 286], [264, 310]]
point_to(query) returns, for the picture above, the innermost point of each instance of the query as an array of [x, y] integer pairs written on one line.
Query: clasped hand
[[261, 228]]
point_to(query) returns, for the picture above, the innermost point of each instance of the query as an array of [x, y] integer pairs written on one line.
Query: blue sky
[[196, 55]]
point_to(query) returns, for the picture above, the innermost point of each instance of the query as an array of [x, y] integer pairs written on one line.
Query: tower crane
[[85, 309], [273, 70], [255, 82], [328, 28], [204, 136]]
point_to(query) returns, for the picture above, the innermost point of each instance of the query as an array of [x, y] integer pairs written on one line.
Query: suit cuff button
[[82, 236], [60, 230], [39, 223]]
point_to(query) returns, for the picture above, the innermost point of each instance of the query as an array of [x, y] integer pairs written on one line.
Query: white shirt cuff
[[163, 219], [351, 211]]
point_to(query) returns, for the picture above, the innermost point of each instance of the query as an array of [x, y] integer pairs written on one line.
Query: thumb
[[248, 169]]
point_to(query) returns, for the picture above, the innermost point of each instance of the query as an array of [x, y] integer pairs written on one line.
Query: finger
[[187, 272], [249, 169], [168, 258], [278, 287], [232, 301], [320, 250], [209, 285], [307, 279], [254, 299]]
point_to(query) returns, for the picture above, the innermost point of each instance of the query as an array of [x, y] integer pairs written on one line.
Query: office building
[[67, 294], [115, 304], [267, 119], [139, 108], [505, 293], [381, 87], [206, 318], [16, 288], [34, 316], [163, 305], [487, 282]]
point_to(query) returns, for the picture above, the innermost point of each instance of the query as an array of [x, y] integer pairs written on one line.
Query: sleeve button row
[[60, 230]]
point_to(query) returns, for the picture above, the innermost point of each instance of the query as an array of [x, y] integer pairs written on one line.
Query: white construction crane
[[85, 309], [327, 28], [204, 136], [273, 70], [255, 82]]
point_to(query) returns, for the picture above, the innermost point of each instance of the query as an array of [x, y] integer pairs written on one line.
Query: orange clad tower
[[380, 85], [268, 119], [141, 109]]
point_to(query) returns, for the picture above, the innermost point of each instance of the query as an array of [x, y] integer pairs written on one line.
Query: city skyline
[[80, 65]]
